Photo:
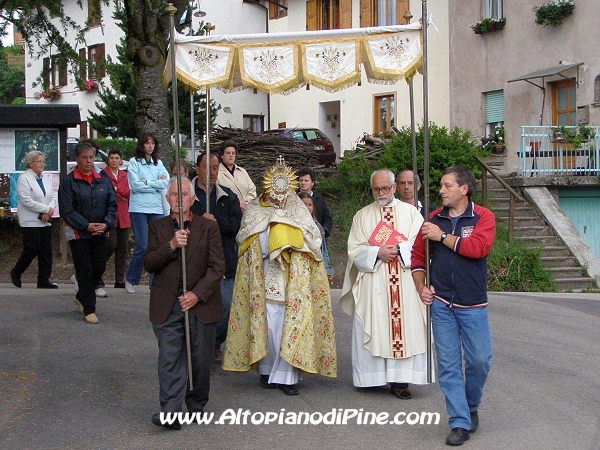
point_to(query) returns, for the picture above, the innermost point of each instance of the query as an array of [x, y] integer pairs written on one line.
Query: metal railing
[[542, 154], [485, 169]]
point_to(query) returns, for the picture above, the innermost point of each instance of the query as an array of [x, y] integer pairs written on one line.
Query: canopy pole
[[171, 10], [425, 24], [208, 28]]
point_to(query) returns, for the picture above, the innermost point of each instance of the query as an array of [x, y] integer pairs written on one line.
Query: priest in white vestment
[[389, 332]]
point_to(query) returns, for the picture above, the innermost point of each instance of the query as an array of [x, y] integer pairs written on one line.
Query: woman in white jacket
[[35, 207]]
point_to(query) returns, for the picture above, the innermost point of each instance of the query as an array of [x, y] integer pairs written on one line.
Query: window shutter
[[346, 14], [100, 61], [46, 73], [83, 130], [62, 71], [311, 15], [401, 8], [494, 106], [366, 13], [82, 66]]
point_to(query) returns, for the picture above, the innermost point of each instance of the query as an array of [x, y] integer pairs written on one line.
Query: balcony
[[544, 154]]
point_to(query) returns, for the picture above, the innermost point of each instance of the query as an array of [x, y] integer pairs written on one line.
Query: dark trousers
[[172, 361], [37, 241], [117, 243], [89, 259]]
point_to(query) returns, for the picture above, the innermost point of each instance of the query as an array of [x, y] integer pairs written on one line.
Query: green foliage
[[127, 146], [488, 24], [12, 79], [512, 267], [446, 148], [553, 13]]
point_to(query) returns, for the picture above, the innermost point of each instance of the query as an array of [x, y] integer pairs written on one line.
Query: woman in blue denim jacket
[[147, 178]]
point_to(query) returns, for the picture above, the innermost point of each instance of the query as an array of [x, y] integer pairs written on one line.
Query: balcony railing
[[541, 154]]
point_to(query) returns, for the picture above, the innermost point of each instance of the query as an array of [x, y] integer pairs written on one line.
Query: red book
[[386, 235]]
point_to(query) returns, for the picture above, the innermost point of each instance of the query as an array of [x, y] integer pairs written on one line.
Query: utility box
[[583, 114]]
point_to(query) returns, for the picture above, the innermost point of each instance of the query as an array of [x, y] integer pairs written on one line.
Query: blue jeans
[[458, 332], [226, 294], [139, 226]]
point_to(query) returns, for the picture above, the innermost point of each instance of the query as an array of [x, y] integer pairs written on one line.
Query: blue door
[[582, 207]]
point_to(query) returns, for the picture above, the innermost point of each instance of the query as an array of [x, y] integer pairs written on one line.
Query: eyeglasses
[[39, 161], [383, 190]]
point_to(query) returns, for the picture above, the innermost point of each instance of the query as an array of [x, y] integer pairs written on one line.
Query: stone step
[[523, 221], [578, 284], [558, 251], [565, 272], [533, 241], [559, 261], [532, 230]]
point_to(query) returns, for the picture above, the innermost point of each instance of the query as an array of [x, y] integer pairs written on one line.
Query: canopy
[[545, 73], [284, 62]]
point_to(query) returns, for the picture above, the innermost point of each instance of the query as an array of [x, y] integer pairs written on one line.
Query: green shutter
[[494, 106]]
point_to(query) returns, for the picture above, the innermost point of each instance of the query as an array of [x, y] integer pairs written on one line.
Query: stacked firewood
[[369, 146], [257, 152]]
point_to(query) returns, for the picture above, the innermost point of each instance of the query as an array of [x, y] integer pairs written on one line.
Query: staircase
[[532, 230]]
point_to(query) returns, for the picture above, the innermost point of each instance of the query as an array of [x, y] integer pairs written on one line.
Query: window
[[94, 69], [597, 90], [493, 9], [494, 110], [382, 12], [94, 13], [385, 113], [328, 14], [55, 71], [254, 123], [278, 9], [564, 110]]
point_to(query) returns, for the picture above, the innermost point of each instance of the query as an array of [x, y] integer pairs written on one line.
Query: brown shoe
[[401, 392], [91, 318]]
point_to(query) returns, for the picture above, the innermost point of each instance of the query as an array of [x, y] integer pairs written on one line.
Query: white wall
[[301, 108]]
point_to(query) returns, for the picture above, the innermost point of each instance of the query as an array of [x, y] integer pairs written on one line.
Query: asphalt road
[[67, 384]]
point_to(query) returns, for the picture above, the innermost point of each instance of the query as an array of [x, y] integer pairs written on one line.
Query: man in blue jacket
[[225, 210], [460, 235]]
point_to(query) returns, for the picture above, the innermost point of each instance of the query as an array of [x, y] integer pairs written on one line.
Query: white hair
[[389, 173]]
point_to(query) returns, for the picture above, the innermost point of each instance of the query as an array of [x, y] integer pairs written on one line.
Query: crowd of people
[[244, 281]]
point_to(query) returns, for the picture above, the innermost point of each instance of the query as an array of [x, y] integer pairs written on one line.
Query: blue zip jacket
[[146, 198]]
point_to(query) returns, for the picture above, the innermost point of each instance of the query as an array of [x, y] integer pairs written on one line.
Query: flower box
[[488, 25], [553, 13], [51, 93]]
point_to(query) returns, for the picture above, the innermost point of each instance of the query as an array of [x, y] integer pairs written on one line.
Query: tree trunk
[[148, 31]]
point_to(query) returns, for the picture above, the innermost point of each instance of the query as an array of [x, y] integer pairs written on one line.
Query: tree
[[146, 28], [12, 79], [117, 105]]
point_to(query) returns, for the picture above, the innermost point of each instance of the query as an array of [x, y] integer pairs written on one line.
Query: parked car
[[99, 162], [312, 138]]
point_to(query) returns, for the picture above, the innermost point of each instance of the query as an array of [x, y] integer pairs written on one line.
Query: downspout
[[255, 2]]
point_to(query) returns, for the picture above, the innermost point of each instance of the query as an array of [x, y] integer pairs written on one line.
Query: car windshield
[[314, 135]]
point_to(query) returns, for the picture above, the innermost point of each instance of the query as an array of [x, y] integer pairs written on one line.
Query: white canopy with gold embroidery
[[284, 62]]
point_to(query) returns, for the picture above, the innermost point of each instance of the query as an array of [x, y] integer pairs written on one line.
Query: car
[[310, 137], [99, 161]]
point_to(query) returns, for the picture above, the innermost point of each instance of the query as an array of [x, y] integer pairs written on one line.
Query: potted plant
[[51, 93], [487, 25], [553, 13], [90, 85], [494, 142], [562, 134]]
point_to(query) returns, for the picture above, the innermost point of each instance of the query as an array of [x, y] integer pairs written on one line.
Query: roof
[[546, 72], [39, 116]]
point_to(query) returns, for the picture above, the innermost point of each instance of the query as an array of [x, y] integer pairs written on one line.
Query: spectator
[[185, 173], [225, 210], [118, 236], [406, 185], [460, 235], [308, 201], [147, 179], [170, 299], [235, 177], [88, 205], [35, 207], [307, 179]]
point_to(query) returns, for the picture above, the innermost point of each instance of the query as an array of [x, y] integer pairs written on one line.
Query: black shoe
[[174, 426], [16, 279], [474, 421], [264, 382], [120, 285], [288, 389], [47, 285], [457, 436]]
